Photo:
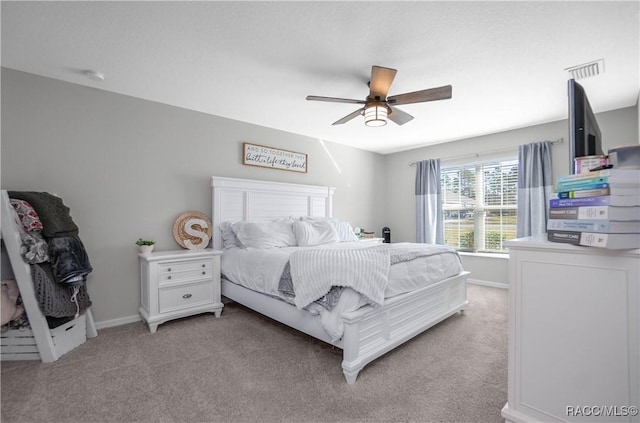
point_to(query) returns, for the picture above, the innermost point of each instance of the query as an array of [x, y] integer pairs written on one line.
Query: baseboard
[[118, 322], [489, 283]]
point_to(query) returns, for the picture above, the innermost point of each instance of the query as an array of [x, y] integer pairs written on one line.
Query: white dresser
[[574, 333], [178, 284]]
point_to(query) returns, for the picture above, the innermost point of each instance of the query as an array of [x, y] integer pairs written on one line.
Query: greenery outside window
[[479, 205]]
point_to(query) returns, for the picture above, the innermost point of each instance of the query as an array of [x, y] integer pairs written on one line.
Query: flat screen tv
[[585, 138]]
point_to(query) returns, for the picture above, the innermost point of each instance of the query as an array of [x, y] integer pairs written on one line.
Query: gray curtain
[[429, 220], [535, 187]]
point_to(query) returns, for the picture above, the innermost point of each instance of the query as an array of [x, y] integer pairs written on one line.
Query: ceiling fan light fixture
[[375, 115], [378, 107]]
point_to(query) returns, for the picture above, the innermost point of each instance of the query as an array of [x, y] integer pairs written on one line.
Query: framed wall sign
[[259, 155]]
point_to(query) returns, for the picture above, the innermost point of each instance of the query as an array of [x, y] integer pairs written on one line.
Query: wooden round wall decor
[[192, 230]]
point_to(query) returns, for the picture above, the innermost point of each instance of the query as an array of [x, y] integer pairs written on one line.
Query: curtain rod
[[501, 150]]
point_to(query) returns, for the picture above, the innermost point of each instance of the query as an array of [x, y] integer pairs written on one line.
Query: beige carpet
[[246, 368]]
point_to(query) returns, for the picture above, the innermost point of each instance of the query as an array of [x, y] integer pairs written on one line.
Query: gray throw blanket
[[285, 287], [405, 251], [55, 300]]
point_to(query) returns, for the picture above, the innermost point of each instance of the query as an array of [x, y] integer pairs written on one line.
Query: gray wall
[[128, 167], [619, 127]]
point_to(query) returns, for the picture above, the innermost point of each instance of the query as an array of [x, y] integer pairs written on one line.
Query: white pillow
[[265, 234], [344, 229], [229, 238], [314, 232]]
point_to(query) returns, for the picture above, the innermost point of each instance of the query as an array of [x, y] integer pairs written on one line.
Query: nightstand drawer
[[189, 275], [183, 296], [177, 266]]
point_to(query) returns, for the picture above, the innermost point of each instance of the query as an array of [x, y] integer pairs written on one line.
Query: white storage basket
[[20, 344]]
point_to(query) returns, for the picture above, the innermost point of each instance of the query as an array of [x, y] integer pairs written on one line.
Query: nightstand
[[179, 283]]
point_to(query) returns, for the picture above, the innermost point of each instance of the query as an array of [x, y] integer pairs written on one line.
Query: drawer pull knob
[[185, 296], [169, 269], [169, 277], [203, 265], [204, 273]]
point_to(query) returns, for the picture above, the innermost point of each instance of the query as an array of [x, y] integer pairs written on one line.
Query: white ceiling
[[257, 61]]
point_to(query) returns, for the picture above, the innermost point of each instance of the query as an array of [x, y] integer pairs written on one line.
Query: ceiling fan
[[378, 107]]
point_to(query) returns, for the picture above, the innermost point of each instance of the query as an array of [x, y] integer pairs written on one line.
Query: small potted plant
[[145, 246]]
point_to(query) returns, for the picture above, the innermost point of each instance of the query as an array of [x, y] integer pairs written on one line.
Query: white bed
[[368, 332]]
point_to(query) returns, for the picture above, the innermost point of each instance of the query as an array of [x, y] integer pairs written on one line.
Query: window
[[479, 205]]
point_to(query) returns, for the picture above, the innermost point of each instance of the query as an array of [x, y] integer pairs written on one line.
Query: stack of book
[[598, 209]]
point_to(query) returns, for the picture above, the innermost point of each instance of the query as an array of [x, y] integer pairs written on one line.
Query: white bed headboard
[[245, 199]]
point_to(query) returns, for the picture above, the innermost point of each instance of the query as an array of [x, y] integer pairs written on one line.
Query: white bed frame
[[368, 332]]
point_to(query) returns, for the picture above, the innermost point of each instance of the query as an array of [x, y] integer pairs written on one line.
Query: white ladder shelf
[[51, 343]]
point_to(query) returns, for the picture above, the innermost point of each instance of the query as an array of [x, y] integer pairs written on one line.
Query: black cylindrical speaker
[[386, 234]]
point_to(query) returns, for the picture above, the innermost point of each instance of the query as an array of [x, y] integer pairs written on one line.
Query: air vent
[[587, 70]]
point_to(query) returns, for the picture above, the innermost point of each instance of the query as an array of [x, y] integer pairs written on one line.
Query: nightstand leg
[[217, 313], [153, 327]]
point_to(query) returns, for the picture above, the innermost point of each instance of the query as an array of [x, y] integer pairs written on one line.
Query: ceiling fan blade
[[381, 79], [431, 94], [398, 116], [348, 117], [334, 99]]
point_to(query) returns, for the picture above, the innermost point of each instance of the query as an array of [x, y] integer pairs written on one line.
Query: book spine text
[[603, 200], [588, 212]]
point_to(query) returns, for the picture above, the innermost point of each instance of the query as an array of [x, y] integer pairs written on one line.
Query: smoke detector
[[587, 70], [94, 75]]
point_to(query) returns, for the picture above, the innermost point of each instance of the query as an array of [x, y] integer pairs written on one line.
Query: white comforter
[[260, 270]]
